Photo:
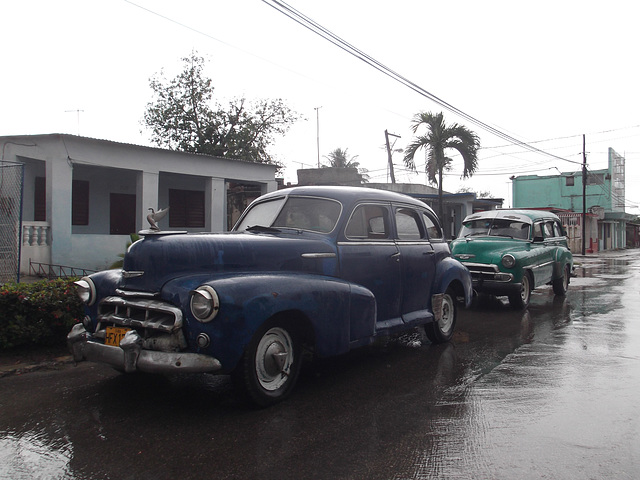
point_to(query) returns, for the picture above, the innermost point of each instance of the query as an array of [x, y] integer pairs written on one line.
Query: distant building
[[82, 197], [606, 220]]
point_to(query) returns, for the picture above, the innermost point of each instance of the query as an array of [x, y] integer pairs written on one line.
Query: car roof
[[527, 216], [347, 195]]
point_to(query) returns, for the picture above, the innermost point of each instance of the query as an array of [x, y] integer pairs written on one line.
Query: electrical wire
[[318, 29]]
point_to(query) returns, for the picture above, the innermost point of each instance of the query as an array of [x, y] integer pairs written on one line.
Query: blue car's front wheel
[[271, 363]]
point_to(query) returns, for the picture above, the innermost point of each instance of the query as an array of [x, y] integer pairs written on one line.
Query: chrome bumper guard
[[130, 357]]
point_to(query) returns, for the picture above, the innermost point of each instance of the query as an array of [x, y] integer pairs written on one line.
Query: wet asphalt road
[[552, 392]]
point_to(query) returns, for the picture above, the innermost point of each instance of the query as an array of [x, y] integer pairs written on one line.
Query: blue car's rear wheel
[[441, 329]]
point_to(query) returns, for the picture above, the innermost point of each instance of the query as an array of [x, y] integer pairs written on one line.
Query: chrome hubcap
[[274, 357], [446, 319]]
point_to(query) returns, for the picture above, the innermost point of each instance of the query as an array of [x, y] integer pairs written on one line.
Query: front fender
[[249, 300], [448, 272]]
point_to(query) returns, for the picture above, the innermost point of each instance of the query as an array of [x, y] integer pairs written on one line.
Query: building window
[[122, 214], [570, 181], [40, 200], [186, 208], [80, 202], [595, 179]]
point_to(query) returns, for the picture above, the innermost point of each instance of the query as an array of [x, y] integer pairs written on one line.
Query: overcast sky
[[544, 72]]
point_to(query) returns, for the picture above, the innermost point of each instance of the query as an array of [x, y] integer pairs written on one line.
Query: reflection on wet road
[[564, 404], [551, 392]]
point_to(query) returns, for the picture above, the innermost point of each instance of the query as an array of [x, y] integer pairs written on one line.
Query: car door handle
[[396, 256]]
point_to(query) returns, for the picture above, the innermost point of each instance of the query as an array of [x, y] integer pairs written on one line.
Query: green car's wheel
[[521, 300], [561, 284]]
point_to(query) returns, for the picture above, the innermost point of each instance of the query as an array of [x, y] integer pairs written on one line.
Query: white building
[[82, 197]]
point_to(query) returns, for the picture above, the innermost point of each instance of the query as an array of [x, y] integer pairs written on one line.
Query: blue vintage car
[[324, 268]]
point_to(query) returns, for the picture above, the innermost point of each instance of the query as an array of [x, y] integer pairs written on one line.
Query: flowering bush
[[40, 313]]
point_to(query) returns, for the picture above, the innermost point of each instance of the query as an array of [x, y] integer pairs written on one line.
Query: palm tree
[[439, 138], [340, 159]]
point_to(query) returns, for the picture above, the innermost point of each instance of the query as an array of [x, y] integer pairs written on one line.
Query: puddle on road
[[31, 455]]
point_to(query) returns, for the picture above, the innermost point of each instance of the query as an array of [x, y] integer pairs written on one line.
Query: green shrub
[[40, 313]]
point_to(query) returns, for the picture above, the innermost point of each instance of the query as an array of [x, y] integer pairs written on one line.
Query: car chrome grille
[[140, 314], [480, 268]]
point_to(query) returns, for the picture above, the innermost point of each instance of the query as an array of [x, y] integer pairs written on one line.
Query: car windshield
[[497, 227], [302, 213]]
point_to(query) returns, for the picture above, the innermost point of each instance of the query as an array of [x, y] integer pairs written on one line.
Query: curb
[[20, 369]]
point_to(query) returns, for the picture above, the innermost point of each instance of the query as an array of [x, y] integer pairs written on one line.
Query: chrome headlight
[[508, 261], [204, 303], [86, 290]]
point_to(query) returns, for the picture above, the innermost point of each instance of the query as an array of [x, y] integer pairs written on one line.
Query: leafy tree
[[439, 138], [183, 117]]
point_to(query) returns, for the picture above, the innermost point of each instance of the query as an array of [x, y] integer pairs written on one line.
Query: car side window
[[433, 229], [368, 222], [408, 224], [537, 231], [548, 229], [558, 230]]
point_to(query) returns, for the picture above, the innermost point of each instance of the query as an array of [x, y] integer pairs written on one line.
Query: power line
[[318, 29]]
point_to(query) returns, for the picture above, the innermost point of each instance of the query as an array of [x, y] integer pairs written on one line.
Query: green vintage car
[[511, 252]]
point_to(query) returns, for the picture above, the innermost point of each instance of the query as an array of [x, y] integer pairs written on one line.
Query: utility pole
[[386, 137], [584, 195], [317, 109]]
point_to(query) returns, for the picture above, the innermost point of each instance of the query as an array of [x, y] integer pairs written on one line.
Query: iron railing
[[51, 271]]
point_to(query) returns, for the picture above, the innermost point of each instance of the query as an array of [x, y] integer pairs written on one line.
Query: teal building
[[606, 220]]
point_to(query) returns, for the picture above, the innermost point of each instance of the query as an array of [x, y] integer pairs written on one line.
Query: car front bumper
[[493, 287], [489, 279], [131, 357]]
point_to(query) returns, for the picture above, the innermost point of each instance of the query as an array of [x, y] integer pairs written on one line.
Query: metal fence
[[11, 188], [50, 271]]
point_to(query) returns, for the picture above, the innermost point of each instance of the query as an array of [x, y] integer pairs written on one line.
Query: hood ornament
[[155, 217]]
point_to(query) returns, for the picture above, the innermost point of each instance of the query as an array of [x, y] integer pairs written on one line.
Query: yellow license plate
[[114, 335]]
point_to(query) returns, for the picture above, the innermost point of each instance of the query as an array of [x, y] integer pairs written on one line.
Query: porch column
[[147, 197], [59, 186], [215, 205]]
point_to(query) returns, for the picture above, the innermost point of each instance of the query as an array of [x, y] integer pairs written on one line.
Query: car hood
[[486, 249], [157, 258]]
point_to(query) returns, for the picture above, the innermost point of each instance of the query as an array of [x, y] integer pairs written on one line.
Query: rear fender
[[450, 272]]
